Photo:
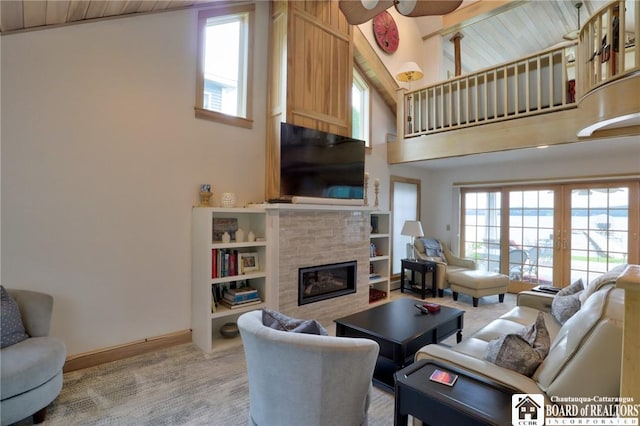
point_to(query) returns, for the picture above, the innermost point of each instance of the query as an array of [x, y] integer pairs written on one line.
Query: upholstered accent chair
[[305, 379], [31, 370], [435, 250]]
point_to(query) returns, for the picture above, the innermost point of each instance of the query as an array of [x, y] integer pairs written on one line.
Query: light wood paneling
[[311, 63], [20, 15]]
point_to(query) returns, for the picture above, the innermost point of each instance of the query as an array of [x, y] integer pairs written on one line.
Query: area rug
[[182, 385]]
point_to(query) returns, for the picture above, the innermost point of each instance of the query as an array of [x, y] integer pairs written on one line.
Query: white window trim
[[247, 90]]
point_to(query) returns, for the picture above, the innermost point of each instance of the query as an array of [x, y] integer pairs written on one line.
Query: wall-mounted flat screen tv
[[320, 164]]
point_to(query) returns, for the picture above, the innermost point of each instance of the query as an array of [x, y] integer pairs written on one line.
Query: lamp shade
[[412, 228], [360, 11], [409, 71], [426, 7]]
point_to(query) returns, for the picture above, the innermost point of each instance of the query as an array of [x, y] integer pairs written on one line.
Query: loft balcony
[[576, 91]]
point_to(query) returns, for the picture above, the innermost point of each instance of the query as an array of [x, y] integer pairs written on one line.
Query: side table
[[422, 266], [472, 400]]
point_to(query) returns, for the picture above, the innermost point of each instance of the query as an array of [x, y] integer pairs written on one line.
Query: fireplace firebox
[[323, 282]]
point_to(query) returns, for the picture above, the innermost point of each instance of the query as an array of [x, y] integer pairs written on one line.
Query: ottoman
[[477, 283]]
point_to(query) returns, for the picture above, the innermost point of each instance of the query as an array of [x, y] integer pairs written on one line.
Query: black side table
[[422, 266], [472, 400]]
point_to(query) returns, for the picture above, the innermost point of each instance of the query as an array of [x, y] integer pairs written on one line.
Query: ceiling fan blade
[[426, 7], [360, 11]]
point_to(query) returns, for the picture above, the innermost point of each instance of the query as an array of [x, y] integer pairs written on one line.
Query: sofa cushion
[[567, 302], [10, 321], [279, 321], [522, 351]]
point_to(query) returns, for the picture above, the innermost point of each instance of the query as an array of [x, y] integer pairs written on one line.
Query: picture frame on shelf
[[248, 262]]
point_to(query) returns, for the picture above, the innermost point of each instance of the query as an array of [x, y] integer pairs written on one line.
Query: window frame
[[246, 62], [360, 82]]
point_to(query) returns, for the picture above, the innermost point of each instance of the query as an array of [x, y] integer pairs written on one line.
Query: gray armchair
[[306, 379], [31, 371]]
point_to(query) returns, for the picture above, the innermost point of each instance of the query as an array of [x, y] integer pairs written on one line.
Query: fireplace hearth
[[323, 282]]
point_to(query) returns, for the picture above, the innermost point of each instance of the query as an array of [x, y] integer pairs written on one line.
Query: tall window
[[360, 108], [405, 205], [224, 68]]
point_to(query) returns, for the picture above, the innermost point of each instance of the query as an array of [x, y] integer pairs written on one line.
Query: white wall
[[101, 162], [102, 159]]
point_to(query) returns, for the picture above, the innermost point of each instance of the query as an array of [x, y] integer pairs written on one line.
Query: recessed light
[[542, 146]]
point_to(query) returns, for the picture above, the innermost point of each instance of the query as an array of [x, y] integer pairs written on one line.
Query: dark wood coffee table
[[400, 330]]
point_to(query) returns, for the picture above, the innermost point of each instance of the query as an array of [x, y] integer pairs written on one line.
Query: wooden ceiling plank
[[162, 5], [35, 13], [12, 15], [96, 9], [147, 6], [114, 8], [57, 12], [77, 10], [131, 7]]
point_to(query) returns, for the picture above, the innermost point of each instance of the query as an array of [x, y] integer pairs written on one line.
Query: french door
[[552, 234]]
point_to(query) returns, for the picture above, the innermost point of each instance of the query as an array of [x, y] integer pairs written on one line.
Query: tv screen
[[320, 164]]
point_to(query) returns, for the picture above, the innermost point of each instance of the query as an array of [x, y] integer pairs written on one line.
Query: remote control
[[421, 308]]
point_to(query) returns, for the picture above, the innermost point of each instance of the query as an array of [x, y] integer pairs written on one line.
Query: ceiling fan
[[360, 11]]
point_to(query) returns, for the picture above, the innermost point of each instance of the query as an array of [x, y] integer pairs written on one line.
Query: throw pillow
[[279, 321], [433, 249], [10, 322], [523, 351], [567, 301]]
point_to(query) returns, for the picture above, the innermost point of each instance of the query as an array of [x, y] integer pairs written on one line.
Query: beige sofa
[[446, 264], [584, 358]]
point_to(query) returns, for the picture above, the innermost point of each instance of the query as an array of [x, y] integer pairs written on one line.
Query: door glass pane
[[531, 219], [482, 229], [599, 231]]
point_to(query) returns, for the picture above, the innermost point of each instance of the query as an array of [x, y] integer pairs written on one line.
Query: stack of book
[[240, 297]]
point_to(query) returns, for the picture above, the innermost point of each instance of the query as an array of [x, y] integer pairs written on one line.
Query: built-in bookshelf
[[221, 262], [379, 256]]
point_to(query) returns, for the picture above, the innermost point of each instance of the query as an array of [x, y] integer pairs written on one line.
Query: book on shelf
[[239, 298], [230, 305]]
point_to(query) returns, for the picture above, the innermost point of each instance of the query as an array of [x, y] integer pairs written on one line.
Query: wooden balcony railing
[[608, 45], [536, 84]]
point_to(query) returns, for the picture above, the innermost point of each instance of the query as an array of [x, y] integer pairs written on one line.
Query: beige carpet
[[183, 386]]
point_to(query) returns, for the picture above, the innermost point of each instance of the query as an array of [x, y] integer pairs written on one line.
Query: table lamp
[[412, 228]]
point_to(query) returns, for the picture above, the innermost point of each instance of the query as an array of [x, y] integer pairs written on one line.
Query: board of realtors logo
[[527, 409]]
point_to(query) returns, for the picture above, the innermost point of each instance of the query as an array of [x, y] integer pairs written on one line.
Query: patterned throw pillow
[[523, 351], [567, 302], [279, 321], [10, 322], [433, 249]]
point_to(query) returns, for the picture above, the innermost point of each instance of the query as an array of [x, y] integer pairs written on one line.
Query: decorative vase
[[240, 235], [204, 198], [226, 237], [228, 199], [251, 237]]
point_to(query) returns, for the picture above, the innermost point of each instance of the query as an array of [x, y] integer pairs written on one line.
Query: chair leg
[[475, 302], [440, 292], [39, 416], [501, 297], [455, 295]]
